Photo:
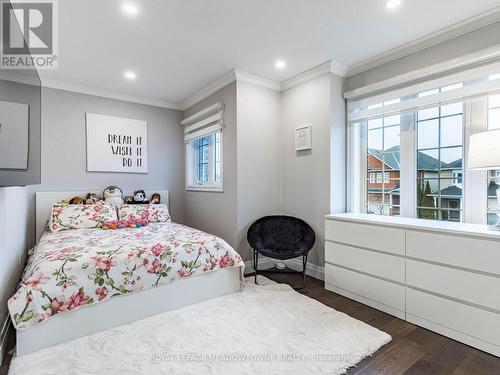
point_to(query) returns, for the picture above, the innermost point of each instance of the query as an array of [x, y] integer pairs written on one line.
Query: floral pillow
[[80, 216], [154, 213]]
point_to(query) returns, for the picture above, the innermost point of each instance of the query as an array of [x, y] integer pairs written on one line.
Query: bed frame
[[122, 309]]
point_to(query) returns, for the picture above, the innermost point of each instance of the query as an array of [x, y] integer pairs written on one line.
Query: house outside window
[[439, 162], [382, 158]]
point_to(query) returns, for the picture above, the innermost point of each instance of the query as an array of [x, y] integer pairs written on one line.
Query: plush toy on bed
[[91, 198], [155, 198], [113, 195], [76, 200], [120, 224], [128, 199], [140, 197]]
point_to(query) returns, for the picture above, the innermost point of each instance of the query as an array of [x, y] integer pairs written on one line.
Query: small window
[[204, 163]]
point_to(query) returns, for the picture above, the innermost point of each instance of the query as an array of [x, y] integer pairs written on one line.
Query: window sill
[[207, 188]]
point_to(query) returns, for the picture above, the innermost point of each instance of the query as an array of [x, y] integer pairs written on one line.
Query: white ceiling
[[177, 47]]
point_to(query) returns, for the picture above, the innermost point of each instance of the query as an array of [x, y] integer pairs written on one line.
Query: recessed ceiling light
[[280, 64], [391, 4], [130, 75], [130, 9]]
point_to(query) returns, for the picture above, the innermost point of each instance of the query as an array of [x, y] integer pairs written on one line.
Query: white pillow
[[80, 216]]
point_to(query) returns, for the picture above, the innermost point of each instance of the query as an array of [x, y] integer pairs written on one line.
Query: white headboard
[[45, 200]]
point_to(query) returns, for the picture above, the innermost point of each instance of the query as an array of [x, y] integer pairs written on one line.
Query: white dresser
[[439, 275]]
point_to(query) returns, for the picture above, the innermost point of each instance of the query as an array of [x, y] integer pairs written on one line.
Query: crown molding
[[257, 80], [205, 92], [81, 89], [19, 78], [329, 66], [453, 31], [226, 79]]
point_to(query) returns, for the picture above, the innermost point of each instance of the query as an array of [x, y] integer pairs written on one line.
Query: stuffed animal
[[128, 199], [76, 200], [113, 195], [63, 201], [120, 224], [140, 197], [155, 198], [91, 198]]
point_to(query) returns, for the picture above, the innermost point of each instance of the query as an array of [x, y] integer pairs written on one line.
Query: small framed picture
[[303, 138]]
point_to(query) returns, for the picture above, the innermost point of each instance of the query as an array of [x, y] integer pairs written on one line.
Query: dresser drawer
[[380, 291], [463, 285], [378, 264], [460, 317], [470, 253], [385, 239]]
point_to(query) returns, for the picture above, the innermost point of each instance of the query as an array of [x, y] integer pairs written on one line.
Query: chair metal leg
[[255, 262], [304, 264]]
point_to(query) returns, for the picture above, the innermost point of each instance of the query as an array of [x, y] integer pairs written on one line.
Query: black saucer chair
[[282, 238]]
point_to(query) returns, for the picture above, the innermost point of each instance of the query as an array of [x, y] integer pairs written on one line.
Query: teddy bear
[[128, 199], [155, 198], [76, 200], [113, 195], [91, 198]]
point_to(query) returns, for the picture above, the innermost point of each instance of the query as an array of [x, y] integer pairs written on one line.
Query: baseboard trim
[[455, 335], [366, 301], [312, 270], [4, 334]]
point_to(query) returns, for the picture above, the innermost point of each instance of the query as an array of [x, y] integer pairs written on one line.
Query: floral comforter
[[74, 268]]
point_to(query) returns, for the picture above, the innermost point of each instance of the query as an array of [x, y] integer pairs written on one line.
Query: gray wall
[[14, 237], [471, 42], [27, 94], [338, 145], [263, 174], [216, 212], [64, 147], [306, 174], [258, 157]]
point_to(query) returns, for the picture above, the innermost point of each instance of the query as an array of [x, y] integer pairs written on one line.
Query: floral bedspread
[[74, 268]]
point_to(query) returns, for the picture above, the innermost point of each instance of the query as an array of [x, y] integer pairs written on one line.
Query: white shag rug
[[264, 329]]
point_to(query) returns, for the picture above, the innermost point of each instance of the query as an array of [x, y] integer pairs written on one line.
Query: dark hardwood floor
[[413, 350]]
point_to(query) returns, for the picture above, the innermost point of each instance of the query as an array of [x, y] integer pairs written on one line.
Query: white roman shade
[[207, 121], [479, 81]]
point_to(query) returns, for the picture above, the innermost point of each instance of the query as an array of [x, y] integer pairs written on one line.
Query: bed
[[81, 281]]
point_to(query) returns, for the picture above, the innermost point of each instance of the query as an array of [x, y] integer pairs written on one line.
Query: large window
[[439, 162], [407, 148], [382, 160], [493, 176]]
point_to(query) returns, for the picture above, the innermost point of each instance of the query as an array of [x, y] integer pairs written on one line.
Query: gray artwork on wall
[[14, 135]]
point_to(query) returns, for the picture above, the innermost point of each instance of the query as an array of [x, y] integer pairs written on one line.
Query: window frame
[[474, 183], [440, 209], [493, 210], [192, 157]]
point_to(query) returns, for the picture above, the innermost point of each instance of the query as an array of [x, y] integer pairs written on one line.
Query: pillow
[[154, 213], [80, 216]]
